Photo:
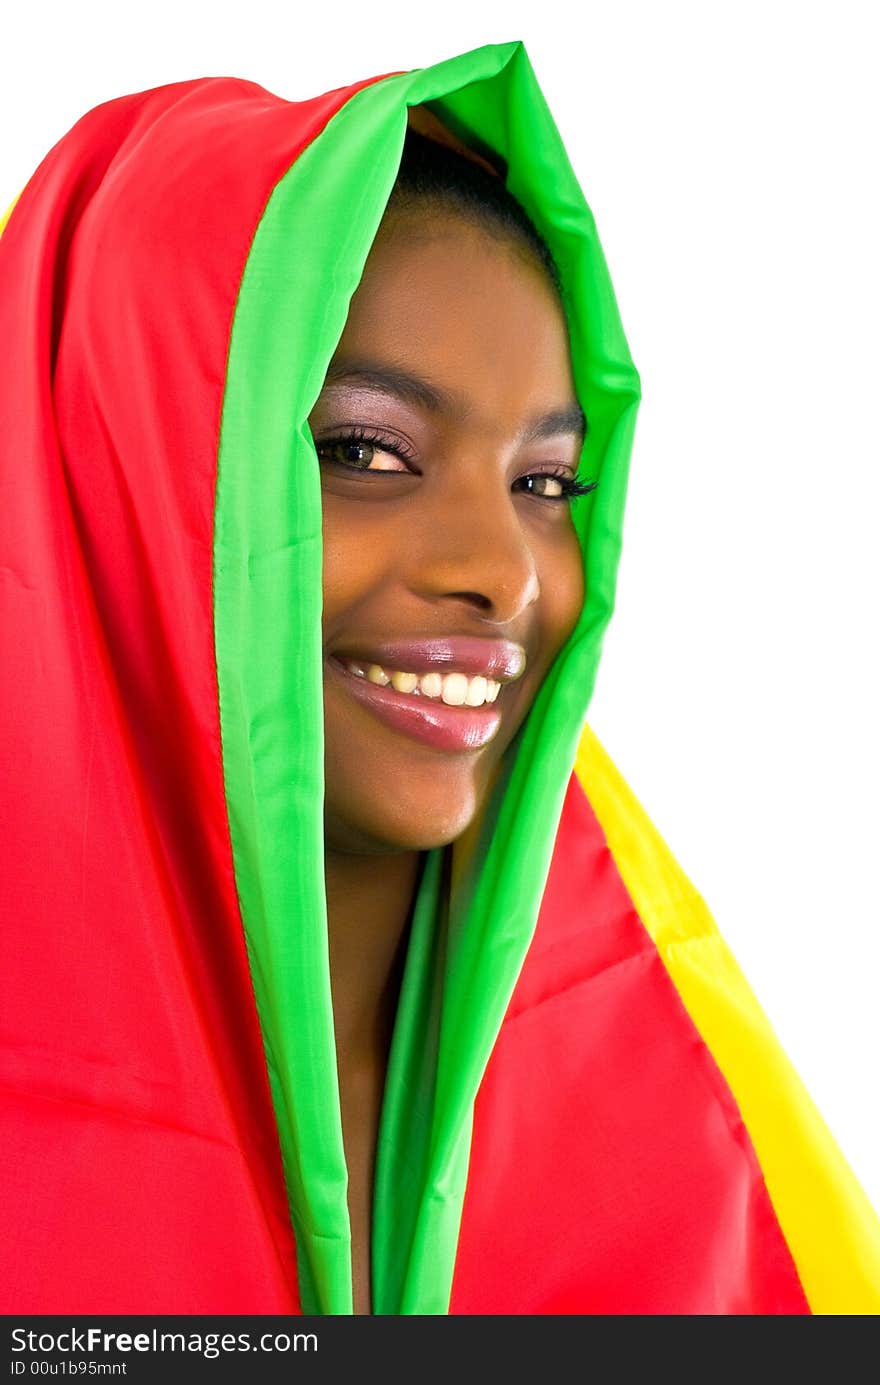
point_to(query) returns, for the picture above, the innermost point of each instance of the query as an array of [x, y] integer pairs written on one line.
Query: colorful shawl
[[585, 1110]]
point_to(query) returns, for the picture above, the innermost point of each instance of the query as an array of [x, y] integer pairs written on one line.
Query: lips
[[426, 719], [499, 659]]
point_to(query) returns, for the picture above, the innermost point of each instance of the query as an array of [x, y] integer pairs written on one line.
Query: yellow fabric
[[6, 215], [831, 1229]]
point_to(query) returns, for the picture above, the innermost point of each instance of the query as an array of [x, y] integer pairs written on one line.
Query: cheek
[[347, 566], [561, 569]]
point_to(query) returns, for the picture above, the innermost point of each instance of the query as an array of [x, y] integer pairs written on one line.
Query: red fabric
[[607, 1146], [139, 1160]]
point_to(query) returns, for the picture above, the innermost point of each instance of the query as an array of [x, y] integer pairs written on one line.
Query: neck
[[369, 907]]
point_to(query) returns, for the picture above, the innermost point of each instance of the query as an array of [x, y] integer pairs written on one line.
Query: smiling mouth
[[445, 725], [451, 687]]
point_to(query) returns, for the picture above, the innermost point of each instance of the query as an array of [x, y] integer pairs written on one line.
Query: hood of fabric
[[200, 276]]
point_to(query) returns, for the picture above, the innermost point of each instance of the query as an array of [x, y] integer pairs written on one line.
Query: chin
[[376, 830]]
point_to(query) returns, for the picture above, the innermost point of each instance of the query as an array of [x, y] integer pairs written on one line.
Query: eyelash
[[571, 488]]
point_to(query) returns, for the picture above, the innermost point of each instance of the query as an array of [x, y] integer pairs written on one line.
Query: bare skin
[[455, 542]]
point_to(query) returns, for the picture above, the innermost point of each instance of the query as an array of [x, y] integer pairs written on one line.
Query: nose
[[471, 546]]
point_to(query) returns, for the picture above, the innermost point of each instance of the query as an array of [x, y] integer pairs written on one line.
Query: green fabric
[[468, 942]]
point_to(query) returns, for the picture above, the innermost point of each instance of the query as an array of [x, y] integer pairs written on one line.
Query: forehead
[[473, 313]]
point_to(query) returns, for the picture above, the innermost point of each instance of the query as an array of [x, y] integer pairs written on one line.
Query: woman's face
[[459, 547]]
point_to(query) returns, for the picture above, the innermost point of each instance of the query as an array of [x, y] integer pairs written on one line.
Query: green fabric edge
[[267, 578]]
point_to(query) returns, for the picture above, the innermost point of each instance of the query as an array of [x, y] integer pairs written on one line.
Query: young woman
[[349, 976]]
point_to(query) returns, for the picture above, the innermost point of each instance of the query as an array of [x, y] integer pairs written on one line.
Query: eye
[[357, 448], [548, 483], [555, 486]]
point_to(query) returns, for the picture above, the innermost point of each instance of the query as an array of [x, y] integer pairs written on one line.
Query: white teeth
[[476, 692], [455, 689]]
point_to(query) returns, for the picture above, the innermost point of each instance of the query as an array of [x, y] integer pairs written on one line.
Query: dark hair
[[438, 173]]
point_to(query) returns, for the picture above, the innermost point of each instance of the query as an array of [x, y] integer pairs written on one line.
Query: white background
[[729, 153]]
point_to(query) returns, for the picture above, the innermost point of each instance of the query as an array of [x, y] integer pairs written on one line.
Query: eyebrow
[[380, 378]]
